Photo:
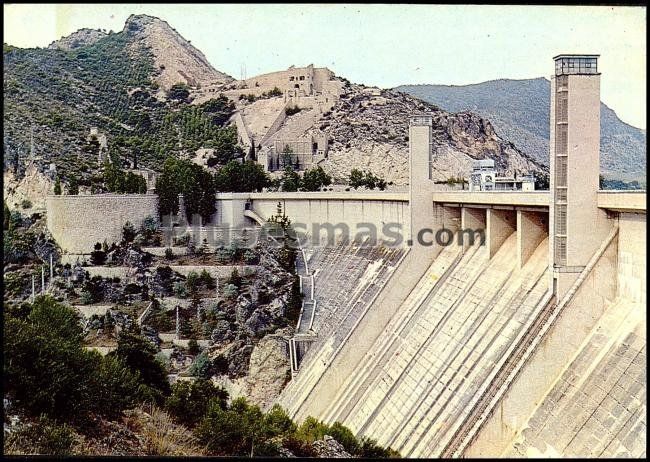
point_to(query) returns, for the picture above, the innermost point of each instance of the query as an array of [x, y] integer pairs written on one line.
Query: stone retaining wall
[[78, 222]]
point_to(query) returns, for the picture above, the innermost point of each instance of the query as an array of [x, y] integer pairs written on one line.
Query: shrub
[[44, 437], [250, 257], [193, 347], [47, 371], [169, 254], [235, 279], [230, 291], [180, 290], [235, 431], [201, 367], [128, 232], [189, 401], [139, 355], [26, 204], [162, 437], [207, 280], [289, 111]]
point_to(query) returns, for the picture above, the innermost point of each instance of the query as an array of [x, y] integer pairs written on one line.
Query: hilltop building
[[484, 177]]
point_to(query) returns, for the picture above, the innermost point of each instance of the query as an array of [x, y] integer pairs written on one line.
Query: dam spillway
[[436, 351]]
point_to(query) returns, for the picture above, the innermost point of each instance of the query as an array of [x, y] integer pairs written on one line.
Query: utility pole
[[178, 329]]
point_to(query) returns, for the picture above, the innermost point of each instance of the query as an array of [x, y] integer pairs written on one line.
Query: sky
[[383, 45]]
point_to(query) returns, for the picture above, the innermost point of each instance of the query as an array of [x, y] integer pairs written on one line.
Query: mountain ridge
[[520, 112]]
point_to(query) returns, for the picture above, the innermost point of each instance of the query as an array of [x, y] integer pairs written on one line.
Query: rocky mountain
[[81, 38], [175, 57], [118, 83], [519, 111], [371, 132]]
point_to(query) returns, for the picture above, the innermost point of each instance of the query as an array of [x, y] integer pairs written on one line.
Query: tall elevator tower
[[577, 225]]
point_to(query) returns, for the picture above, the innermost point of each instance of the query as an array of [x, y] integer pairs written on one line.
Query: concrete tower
[[577, 225], [420, 203]]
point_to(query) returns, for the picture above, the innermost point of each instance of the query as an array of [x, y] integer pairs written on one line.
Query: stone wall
[[78, 222]]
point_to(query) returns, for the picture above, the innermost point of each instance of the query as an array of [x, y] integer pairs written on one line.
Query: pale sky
[[384, 45]]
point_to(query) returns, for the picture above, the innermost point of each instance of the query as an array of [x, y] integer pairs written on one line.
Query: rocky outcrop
[[329, 447], [268, 370], [174, 57], [33, 187], [371, 132], [81, 38]]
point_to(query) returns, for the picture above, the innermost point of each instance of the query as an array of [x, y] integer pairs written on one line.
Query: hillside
[[371, 132], [54, 96], [519, 111]]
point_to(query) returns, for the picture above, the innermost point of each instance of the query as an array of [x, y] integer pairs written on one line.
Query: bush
[[193, 347], [169, 254], [235, 279], [139, 355], [128, 232], [315, 178], [230, 291], [47, 371], [189, 401], [289, 111], [44, 437], [26, 204], [207, 280], [202, 367], [180, 289]]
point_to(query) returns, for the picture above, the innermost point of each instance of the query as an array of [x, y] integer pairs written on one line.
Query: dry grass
[[160, 435]]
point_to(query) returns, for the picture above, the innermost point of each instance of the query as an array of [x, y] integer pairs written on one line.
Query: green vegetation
[[366, 179], [57, 187], [291, 110], [241, 177], [315, 179], [108, 85], [48, 372], [53, 380], [290, 181], [118, 181], [193, 181]]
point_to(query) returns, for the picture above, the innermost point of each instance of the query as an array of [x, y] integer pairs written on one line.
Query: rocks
[[329, 447], [268, 370], [221, 332]]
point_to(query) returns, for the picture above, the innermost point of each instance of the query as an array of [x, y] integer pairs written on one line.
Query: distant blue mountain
[[520, 110]]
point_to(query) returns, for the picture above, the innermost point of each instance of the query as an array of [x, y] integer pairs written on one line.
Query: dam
[[529, 342]]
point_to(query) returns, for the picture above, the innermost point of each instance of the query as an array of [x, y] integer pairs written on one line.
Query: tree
[[139, 355], [179, 92], [286, 157], [6, 217], [241, 177], [98, 256], [128, 232], [356, 178], [315, 178], [73, 186], [235, 279], [189, 401], [541, 181], [47, 370], [57, 187], [181, 176], [290, 181]]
